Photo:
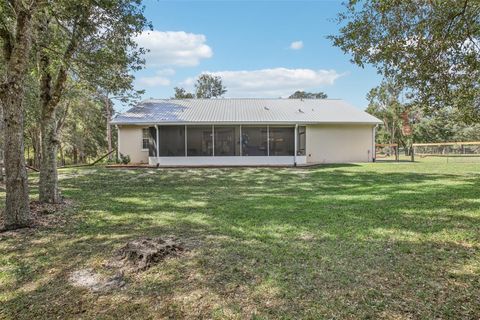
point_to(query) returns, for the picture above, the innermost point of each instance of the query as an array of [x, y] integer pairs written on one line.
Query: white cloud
[[176, 48], [167, 72], [154, 81], [276, 82], [296, 45], [160, 79]]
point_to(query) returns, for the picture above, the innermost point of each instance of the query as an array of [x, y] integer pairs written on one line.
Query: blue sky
[[260, 49]]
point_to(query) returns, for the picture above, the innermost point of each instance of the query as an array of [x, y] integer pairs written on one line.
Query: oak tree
[[16, 24], [430, 48]]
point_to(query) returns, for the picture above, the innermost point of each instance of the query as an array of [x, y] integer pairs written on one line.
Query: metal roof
[[244, 111]]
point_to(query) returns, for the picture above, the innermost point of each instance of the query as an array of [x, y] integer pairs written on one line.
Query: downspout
[[268, 140], [295, 137], [118, 141], [185, 140], [158, 144], [213, 140], [241, 146], [374, 150]]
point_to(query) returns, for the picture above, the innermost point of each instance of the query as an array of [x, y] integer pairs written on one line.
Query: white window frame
[[143, 139]]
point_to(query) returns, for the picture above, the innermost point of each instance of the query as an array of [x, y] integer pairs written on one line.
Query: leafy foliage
[[181, 93], [404, 123], [308, 95], [81, 120], [82, 135], [384, 103], [430, 48], [444, 126], [124, 159], [209, 86]]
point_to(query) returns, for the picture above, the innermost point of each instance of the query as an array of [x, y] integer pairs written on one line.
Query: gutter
[[219, 123]]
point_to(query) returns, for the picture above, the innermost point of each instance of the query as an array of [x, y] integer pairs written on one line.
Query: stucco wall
[[339, 143], [324, 143], [130, 143]]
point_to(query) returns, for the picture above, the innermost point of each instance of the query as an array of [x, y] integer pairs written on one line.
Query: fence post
[[412, 153]]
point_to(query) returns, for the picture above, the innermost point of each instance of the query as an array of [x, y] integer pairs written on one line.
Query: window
[[254, 141], [172, 141], [282, 141], [199, 141], [227, 141], [302, 137], [145, 138], [152, 144]]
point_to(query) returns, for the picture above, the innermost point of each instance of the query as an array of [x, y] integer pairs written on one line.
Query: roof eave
[[169, 123]]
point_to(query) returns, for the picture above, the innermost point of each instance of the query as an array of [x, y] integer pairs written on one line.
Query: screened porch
[[225, 144]]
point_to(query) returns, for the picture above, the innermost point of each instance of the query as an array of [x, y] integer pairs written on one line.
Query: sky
[[261, 49]]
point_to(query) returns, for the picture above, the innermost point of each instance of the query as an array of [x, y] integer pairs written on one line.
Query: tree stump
[[141, 254]]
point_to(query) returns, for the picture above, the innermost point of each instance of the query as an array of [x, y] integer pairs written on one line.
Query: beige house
[[242, 132]]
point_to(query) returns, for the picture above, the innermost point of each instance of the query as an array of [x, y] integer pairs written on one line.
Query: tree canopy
[[429, 48], [207, 86], [58, 56], [384, 103], [308, 95], [181, 93], [91, 42], [405, 123]]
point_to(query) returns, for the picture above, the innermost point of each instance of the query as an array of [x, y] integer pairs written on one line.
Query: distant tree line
[[308, 95], [208, 86], [406, 123]]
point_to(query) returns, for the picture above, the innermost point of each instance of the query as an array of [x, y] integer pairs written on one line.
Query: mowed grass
[[383, 240]]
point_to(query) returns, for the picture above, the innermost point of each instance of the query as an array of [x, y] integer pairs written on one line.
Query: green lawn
[[384, 240]]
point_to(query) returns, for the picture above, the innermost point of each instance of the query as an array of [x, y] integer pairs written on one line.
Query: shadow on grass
[[329, 241]]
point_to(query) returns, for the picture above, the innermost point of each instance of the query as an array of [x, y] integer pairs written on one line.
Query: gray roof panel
[[173, 111]]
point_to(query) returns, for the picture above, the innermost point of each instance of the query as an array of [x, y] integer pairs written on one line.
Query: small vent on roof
[[266, 108], [300, 110]]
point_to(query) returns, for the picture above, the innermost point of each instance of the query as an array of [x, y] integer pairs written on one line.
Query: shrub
[[125, 159]]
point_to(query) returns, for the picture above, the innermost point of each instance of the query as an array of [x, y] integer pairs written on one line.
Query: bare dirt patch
[[135, 256], [44, 215], [89, 279]]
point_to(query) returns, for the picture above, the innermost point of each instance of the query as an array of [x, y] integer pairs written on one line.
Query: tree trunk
[[17, 211], [75, 155], [52, 88], [37, 150], [48, 183], [62, 156], [109, 128], [2, 161]]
